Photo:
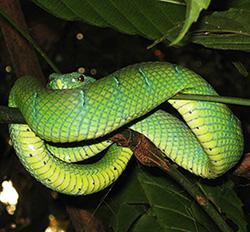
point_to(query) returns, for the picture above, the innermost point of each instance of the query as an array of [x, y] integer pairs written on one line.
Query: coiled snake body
[[209, 144]]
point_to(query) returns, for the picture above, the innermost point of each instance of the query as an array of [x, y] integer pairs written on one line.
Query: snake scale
[[208, 143]]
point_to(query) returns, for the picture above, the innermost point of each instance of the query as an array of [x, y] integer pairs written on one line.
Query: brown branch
[[243, 169], [144, 150], [149, 155], [22, 55]]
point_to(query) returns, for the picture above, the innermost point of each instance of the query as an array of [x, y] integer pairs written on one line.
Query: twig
[[200, 198], [243, 168], [221, 99], [149, 155]]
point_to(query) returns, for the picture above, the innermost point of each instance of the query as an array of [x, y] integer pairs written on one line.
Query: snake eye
[[81, 78]]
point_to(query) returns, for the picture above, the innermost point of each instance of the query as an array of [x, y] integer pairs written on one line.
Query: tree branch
[[149, 155], [22, 55]]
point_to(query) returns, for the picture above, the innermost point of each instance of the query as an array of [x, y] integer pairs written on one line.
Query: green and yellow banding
[[209, 144]]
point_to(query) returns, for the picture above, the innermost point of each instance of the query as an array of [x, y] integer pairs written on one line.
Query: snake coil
[[208, 144]]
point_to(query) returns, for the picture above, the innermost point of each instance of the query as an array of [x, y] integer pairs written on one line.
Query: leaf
[[227, 202], [241, 4], [194, 7], [241, 68], [56, 8], [147, 202], [171, 206], [163, 19], [225, 30], [147, 18]]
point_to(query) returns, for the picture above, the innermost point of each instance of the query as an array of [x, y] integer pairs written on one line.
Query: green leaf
[[148, 18], [147, 202], [157, 20], [241, 4], [56, 8], [241, 68], [227, 202], [225, 30], [148, 223], [163, 19], [194, 7], [171, 207]]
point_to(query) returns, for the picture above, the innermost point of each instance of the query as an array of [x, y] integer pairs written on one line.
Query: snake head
[[68, 81]]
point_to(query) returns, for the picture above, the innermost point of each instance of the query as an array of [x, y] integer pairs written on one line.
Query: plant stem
[[199, 197], [149, 155], [221, 99]]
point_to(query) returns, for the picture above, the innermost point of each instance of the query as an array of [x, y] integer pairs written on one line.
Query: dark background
[[100, 52]]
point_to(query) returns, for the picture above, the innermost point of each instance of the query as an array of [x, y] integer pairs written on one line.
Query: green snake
[[84, 112]]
